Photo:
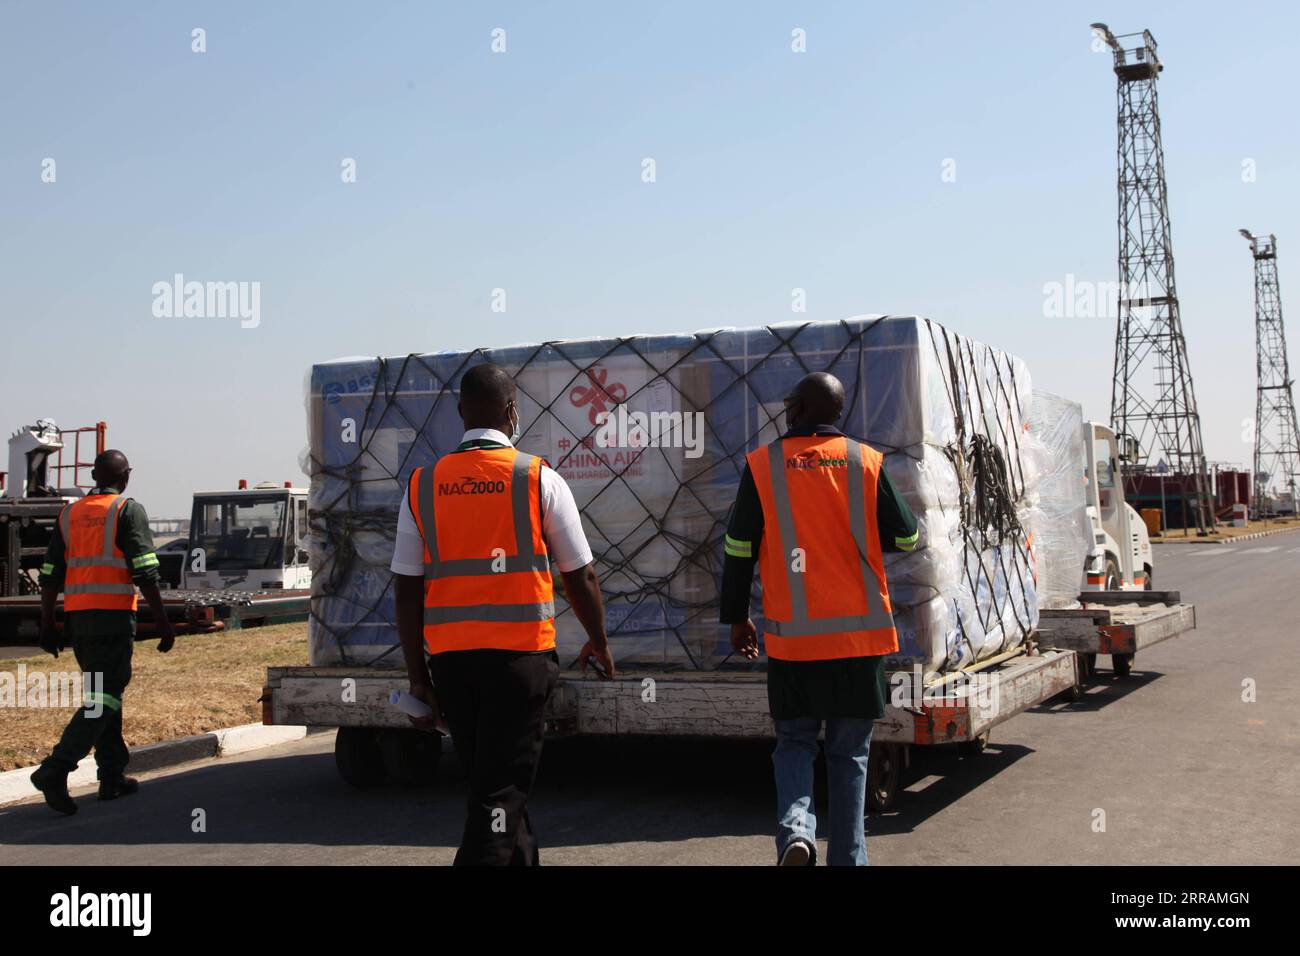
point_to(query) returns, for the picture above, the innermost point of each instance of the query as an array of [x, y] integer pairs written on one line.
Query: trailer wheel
[[1121, 664], [973, 748], [884, 768], [411, 757], [1087, 666], [357, 756]]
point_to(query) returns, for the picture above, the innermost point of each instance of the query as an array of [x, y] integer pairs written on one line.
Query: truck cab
[[1120, 558], [248, 539]]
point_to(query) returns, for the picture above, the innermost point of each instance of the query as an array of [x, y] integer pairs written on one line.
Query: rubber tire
[[1087, 667], [973, 748], [1121, 664], [410, 757], [1150, 586], [884, 770], [1113, 579], [357, 757]]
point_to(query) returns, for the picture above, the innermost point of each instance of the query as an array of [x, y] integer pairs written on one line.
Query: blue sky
[[521, 171]]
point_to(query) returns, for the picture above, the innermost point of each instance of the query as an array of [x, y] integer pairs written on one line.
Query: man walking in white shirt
[[476, 536]]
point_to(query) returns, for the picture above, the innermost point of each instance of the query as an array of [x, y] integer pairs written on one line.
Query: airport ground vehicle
[[1120, 558], [249, 539], [245, 561], [48, 467]]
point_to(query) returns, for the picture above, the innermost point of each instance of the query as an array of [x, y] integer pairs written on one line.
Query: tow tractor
[[1119, 610], [249, 539], [1120, 558]]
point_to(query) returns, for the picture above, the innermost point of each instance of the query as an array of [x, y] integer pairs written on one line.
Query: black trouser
[[108, 657], [495, 705]]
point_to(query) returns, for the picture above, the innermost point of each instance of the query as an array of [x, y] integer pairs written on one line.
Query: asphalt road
[[1185, 771]]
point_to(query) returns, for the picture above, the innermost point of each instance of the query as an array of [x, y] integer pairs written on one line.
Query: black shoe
[[118, 787], [55, 787]]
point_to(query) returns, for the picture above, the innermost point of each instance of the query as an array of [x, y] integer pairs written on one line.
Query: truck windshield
[[243, 533], [1101, 454]]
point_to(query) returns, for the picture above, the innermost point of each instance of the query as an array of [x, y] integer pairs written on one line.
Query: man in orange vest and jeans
[[100, 552], [816, 510], [476, 537]]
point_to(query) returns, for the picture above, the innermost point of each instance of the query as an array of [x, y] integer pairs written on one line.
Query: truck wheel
[[1113, 580], [357, 756], [1150, 585], [884, 767], [1121, 664], [411, 757], [973, 748]]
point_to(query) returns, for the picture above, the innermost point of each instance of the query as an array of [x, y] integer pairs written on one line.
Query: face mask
[[515, 433]]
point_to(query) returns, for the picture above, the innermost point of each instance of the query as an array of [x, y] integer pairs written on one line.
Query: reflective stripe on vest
[[523, 560], [836, 605], [800, 624], [97, 577], [485, 621]]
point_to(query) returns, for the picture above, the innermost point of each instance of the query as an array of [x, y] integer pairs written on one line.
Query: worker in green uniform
[[99, 553], [828, 630]]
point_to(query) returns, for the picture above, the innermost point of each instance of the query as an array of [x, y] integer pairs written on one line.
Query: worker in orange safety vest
[[816, 511]]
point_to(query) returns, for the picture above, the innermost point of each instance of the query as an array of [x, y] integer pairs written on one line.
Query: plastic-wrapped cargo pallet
[[948, 412], [1055, 510]]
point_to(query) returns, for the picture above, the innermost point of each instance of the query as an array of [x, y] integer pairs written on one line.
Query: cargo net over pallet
[[949, 414]]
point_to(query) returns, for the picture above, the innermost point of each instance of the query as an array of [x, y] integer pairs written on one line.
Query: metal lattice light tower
[[1277, 452], [1152, 403]]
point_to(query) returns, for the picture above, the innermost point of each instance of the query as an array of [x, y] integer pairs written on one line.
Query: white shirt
[[561, 522]]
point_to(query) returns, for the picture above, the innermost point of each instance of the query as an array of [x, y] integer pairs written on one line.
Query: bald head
[[818, 399], [111, 469], [487, 398]]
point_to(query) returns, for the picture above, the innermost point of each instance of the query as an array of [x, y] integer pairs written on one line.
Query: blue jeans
[[848, 739]]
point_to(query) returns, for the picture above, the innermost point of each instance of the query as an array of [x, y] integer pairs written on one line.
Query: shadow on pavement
[[590, 791]]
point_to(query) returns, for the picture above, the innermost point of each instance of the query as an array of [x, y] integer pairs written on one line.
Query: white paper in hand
[[415, 707]]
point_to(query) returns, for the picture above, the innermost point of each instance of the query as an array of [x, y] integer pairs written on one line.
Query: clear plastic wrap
[[1055, 509], [947, 412]]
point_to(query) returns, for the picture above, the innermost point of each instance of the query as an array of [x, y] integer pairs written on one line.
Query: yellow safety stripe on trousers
[[738, 549], [149, 560], [99, 697], [907, 544]]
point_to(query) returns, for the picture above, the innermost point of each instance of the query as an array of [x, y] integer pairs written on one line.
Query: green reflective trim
[[149, 560], [47, 568], [108, 700], [907, 544], [738, 549]]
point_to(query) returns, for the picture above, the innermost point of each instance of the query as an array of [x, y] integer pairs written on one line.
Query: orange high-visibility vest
[[824, 591], [97, 577], [487, 574]]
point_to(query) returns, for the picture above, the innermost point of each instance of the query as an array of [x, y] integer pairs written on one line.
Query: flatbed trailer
[[376, 740], [190, 611], [1118, 623]]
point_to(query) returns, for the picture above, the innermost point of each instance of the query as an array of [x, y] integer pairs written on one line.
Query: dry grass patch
[[207, 682]]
